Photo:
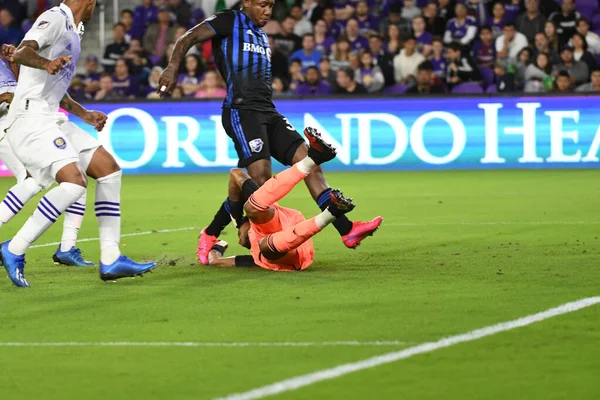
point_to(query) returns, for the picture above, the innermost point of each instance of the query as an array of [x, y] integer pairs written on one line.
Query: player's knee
[[72, 173], [300, 154], [260, 172]]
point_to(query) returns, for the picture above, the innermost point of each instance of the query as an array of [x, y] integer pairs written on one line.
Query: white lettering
[[528, 131], [490, 117], [254, 48], [459, 137], [592, 155], [557, 135], [149, 129], [187, 144], [364, 138]]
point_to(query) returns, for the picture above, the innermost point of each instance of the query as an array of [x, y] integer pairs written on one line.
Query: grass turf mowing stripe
[[190, 228], [344, 369], [204, 344]]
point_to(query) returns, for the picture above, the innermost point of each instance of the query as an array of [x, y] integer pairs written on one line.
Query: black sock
[[342, 224], [236, 209], [221, 219]]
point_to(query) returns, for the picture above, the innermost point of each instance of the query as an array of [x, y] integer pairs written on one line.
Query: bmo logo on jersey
[[255, 48]]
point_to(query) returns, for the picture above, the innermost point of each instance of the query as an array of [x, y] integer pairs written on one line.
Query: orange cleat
[[205, 244], [360, 230]]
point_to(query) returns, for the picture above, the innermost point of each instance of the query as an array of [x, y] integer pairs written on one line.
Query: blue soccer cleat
[[72, 257], [124, 267], [14, 265]]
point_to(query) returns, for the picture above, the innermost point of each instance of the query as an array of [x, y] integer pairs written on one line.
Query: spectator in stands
[[510, 43], [425, 80], [9, 33], [323, 42], [565, 21], [394, 18], [538, 75], [437, 59], [594, 85], [542, 45], [191, 75], [382, 59], [279, 88], [340, 58], [182, 11], [91, 78], [497, 20], [279, 63], [531, 22], [484, 50], [76, 89], [346, 83], [393, 41], [434, 24], [308, 56], [564, 82], [296, 77], [581, 53], [131, 32], [461, 29], [410, 10], [513, 9], [106, 92], [592, 38], [177, 93], [334, 29], [164, 60], [151, 90], [211, 87], [303, 25], [312, 85], [138, 58], [368, 74], [116, 49], [179, 32], [287, 42], [550, 31], [423, 37], [367, 24], [407, 62], [159, 35], [124, 83], [326, 72], [446, 10], [145, 14], [354, 60], [578, 70], [357, 42], [461, 67], [524, 59], [478, 10]]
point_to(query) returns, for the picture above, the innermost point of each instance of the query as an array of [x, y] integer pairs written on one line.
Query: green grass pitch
[[457, 251]]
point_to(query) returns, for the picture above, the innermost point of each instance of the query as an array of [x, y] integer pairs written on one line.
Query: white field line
[[335, 372], [355, 343], [191, 228], [492, 223]]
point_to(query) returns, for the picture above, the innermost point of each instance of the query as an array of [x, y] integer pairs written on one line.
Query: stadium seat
[[488, 76], [467, 87], [396, 89], [491, 89], [586, 9]]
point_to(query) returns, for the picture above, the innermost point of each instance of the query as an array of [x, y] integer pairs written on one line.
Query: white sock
[[16, 198], [72, 223], [324, 219], [306, 165], [54, 203], [108, 213]]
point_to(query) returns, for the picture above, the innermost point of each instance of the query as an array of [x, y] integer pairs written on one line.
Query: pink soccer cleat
[[360, 230], [205, 244]]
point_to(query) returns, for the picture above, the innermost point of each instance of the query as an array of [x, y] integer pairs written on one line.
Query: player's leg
[[67, 253], [276, 245]]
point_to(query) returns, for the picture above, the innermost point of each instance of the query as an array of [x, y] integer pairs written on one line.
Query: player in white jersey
[[53, 151], [26, 187]]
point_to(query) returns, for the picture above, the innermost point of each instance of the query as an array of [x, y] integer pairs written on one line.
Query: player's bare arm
[[27, 54], [197, 34], [95, 118]]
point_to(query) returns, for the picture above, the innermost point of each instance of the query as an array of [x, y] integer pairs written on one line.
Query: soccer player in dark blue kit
[[259, 132]]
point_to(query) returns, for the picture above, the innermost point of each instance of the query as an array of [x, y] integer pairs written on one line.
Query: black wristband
[[244, 261]]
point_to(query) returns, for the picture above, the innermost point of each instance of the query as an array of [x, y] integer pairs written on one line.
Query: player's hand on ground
[[54, 66], [95, 118], [167, 81], [8, 52]]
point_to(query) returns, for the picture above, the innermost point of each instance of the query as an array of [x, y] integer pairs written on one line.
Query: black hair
[[425, 66]]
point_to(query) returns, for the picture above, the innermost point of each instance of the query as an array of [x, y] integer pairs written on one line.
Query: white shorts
[[46, 144]]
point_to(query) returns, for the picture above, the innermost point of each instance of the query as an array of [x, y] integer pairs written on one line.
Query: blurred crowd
[[355, 47]]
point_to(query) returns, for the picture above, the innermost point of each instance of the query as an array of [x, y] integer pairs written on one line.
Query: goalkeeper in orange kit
[[279, 238]]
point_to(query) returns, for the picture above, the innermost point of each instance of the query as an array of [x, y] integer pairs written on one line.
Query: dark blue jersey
[[242, 54]]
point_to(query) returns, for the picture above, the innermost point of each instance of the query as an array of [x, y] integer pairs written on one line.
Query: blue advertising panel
[[370, 134]]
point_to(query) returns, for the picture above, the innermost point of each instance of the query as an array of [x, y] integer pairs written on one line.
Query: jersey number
[[289, 125]]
